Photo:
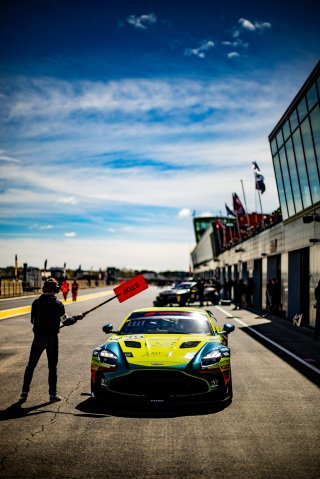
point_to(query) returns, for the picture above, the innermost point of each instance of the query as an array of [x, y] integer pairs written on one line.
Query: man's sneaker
[[23, 396], [55, 398]]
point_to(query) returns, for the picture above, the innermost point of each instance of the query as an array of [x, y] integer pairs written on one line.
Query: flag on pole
[[259, 178], [229, 211], [16, 266], [221, 228], [237, 205]]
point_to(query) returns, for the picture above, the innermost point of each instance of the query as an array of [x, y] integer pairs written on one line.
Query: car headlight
[[210, 359], [108, 357]]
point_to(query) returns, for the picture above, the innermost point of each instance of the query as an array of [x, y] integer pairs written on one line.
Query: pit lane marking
[[13, 312], [313, 368]]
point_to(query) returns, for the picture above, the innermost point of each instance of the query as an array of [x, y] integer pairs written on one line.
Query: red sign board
[[130, 288]]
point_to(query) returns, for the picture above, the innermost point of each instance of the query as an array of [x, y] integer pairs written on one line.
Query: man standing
[[46, 313], [74, 289], [200, 288], [65, 289]]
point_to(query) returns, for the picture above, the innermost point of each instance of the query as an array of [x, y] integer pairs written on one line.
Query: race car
[[173, 295], [164, 355], [186, 293]]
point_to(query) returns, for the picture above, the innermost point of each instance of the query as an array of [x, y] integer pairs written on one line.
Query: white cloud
[[36, 226], [246, 24], [9, 159], [70, 234], [200, 51], [262, 25], [46, 227], [233, 55], [143, 21], [68, 200], [184, 213]]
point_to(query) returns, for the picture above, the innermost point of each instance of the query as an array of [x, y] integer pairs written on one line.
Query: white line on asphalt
[[316, 370]]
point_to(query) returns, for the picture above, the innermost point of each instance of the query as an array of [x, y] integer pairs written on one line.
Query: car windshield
[[185, 285], [161, 323]]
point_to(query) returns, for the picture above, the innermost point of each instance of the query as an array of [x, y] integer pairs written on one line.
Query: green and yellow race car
[[161, 355]]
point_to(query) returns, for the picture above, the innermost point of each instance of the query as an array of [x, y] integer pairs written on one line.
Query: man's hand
[[70, 320]]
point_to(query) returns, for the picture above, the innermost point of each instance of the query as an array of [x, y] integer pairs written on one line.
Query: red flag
[[221, 227], [237, 205], [130, 288]]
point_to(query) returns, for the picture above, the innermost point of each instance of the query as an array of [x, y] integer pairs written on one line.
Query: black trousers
[[51, 346]]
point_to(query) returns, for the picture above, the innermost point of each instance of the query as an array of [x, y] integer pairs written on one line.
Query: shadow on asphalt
[[96, 409], [298, 341], [15, 411]]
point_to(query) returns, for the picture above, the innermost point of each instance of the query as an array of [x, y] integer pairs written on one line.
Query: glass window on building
[[294, 120], [286, 181], [282, 198], [286, 130], [315, 126], [303, 176], [310, 160], [312, 96], [279, 139], [274, 148], [294, 176], [302, 109]]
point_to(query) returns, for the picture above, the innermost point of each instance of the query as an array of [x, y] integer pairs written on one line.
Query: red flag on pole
[[130, 288], [237, 205]]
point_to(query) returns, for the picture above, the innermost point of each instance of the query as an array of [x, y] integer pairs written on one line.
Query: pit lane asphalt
[[271, 429]]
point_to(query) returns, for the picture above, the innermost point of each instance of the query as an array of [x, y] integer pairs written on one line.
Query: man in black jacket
[[46, 314]]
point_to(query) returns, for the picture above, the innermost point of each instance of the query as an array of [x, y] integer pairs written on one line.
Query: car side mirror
[[228, 328], [107, 328]]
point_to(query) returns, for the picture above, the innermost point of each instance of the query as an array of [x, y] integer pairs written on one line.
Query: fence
[[11, 287]]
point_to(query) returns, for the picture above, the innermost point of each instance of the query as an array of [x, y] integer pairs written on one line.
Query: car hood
[[161, 350]]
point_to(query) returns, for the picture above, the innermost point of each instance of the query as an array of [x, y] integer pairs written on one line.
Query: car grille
[[158, 382]]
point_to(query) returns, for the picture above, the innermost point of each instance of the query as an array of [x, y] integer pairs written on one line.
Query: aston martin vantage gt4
[[161, 355]]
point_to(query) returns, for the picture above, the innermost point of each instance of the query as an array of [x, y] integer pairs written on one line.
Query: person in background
[[249, 291], [65, 289], [200, 288], [74, 290], [47, 312], [238, 291]]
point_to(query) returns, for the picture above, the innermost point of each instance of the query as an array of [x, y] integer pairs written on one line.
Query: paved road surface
[[271, 429]]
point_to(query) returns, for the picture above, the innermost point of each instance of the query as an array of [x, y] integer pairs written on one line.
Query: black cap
[[51, 286]]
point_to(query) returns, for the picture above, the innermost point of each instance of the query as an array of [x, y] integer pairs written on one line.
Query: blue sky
[[121, 118]]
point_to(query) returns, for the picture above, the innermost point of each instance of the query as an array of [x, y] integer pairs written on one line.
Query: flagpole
[[259, 195], [245, 202], [240, 237], [218, 234]]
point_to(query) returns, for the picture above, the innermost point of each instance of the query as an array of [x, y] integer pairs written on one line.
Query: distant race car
[[186, 293], [161, 355], [179, 294]]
